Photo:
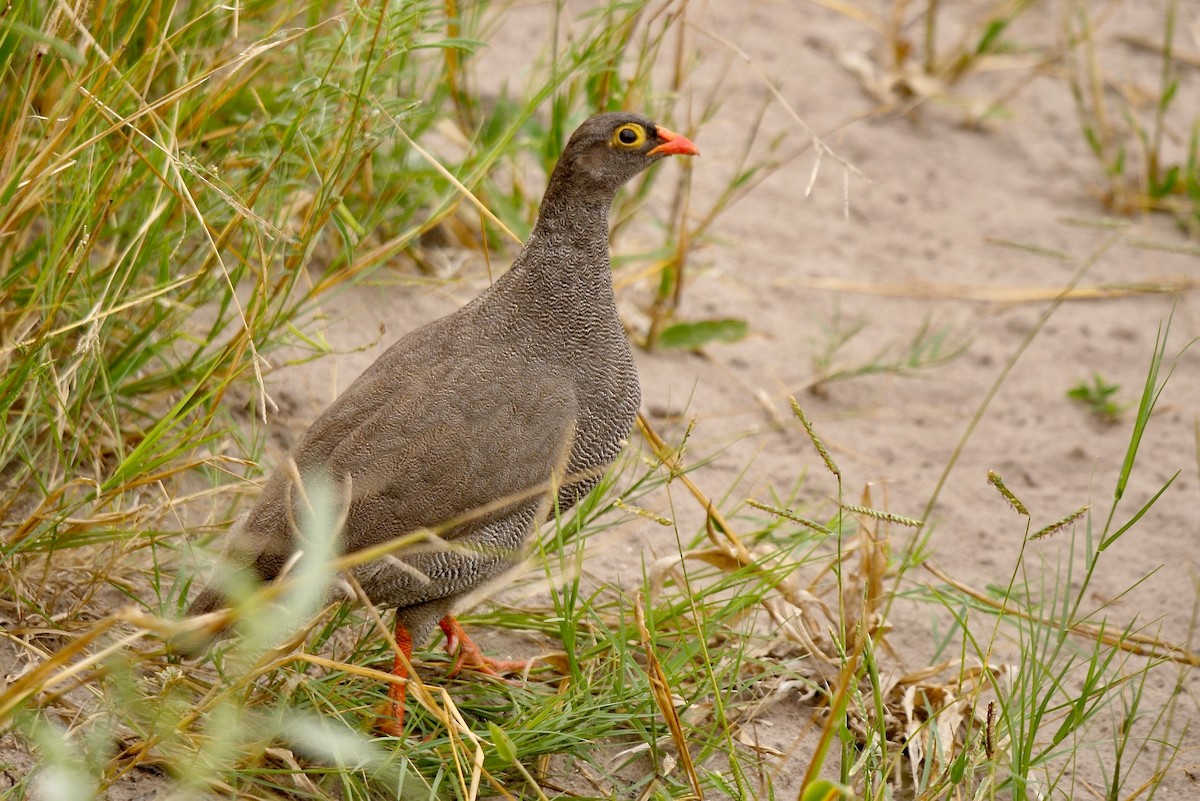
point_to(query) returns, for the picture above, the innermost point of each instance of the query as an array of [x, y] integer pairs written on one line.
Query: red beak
[[674, 145]]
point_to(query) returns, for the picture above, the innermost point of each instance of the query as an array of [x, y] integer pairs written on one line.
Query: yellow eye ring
[[630, 135]]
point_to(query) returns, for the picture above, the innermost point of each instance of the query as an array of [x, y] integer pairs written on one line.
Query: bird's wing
[[445, 434]]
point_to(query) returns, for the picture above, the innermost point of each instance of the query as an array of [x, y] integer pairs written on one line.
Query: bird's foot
[[469, 655], [390, 718]]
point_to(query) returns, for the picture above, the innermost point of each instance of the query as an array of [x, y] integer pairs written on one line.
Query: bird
[[480, 423]]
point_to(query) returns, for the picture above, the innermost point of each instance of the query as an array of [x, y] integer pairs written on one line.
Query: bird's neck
[[569, 243], [561, 284]]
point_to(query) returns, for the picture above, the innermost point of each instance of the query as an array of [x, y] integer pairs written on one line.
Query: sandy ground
[[919, 244], [916, 246]]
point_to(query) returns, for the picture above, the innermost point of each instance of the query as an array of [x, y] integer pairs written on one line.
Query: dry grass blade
[[449, 176], [671, 461], [1155, 46], [997, 294], [43, 676], [1130, 642], [873, 566], [97, 315], [660, 687], [1182, 248], [933, 714]]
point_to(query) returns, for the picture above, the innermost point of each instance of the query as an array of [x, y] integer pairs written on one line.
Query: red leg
[[469, 654], [392, 721]]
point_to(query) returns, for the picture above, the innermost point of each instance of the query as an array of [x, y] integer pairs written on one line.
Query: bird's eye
[[630, 135]]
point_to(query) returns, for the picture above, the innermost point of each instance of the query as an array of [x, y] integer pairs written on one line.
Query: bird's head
[[609, 149]]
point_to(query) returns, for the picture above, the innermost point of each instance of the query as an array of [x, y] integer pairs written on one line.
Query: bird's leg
[[392, 722], [469, 654]]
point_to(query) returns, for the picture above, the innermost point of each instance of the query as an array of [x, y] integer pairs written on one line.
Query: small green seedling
[[1099, 396]]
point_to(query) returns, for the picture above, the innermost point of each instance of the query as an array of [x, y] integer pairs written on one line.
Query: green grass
[[1128, 139], [927, 348], [180, 188]]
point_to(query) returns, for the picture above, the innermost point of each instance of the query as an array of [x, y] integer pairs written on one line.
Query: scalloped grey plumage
[[532, 380]]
